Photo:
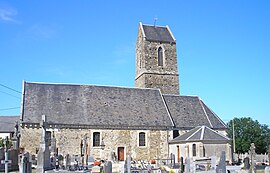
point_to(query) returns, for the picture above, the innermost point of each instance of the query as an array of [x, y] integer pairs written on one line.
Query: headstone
[[25, 163], [43, 160], [95, 169], [252, 157], [16, 136], [67, 161], [187, 165], [213, 163], [221, 167], [246, 163], [53, 145], [172, 160], [127, 166], [181, 165], [108, 167]]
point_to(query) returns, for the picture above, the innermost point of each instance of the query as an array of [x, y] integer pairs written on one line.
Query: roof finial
[[155, 20]]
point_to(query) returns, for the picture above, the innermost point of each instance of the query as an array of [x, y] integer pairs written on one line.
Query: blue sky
[[223, 48]]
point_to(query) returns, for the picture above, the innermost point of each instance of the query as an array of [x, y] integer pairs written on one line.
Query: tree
[[2, 143], [248, 131]]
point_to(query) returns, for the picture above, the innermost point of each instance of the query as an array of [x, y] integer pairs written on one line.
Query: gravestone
[[221, 167], [127, 166], [108, 167], [16, 137], [53, 145], [172, 160], [43, 159], [67, 161], [252, 157], [213, 163], [181, 165], [187, 165], [246, 163], [25, 163], [96, 169]]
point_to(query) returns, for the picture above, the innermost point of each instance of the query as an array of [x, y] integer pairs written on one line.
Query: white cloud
[[8, 14]]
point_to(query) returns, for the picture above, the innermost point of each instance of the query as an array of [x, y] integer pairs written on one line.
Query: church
[[111, 121]]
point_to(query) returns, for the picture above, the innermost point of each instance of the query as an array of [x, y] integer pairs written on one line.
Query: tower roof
[[158, 33]]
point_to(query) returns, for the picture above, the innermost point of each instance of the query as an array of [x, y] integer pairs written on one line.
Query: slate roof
[[95, 106], [200, 134], [158, 33], [190, 111], [7, 123]]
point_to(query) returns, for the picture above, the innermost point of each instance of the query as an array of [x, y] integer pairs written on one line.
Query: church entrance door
[[121, 153]]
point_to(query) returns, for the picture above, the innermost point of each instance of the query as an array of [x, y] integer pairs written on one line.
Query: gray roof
[[95, 106], [158, 33], [189, 111], [200, 134], [7, 123]]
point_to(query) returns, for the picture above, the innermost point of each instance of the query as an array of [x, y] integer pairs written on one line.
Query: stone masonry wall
[[68, 141], [148, 73]]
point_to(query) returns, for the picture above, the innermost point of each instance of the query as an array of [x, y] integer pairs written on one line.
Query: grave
[[43, 160], [108, 167], [221, 167]]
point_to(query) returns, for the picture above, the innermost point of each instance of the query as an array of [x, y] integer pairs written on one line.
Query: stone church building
[[113, 122]]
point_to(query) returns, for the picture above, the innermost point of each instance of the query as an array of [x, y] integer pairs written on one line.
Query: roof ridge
[[205, 112], [193, 133], [167, 109], [218, 133], [202, 134], [216, 116], [154, 25]]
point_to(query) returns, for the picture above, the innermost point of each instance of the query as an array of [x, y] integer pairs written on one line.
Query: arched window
[[96, 139], [194, 149], [160, 56], [141, 139]]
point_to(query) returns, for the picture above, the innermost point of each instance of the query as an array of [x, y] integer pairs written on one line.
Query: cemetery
[[48, 160]]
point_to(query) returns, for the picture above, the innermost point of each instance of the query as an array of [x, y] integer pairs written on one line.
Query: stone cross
[[252, 157], [43, 160], [221, 167], [6, 161], [16, 137]]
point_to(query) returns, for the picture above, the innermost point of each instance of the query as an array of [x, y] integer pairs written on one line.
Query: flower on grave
[[97, 163], [153, 161]]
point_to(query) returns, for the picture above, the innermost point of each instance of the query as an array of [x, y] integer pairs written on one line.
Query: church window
[[96, 139], [160, 56], [141, 139], [194, 149]]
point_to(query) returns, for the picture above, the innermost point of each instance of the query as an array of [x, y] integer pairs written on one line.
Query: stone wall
[[68, 141], [148, 73]]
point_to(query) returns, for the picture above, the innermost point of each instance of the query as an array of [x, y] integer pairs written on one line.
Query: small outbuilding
[[200, 142]]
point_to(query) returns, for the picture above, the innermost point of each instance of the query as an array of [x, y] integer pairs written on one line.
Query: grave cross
[[43, 125], [16, 137], [252, 157], [6, 161]]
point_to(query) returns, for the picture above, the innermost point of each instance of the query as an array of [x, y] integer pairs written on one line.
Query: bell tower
[[156, 59]]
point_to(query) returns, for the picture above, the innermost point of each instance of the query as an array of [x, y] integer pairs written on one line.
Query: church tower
[[156, 60]]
